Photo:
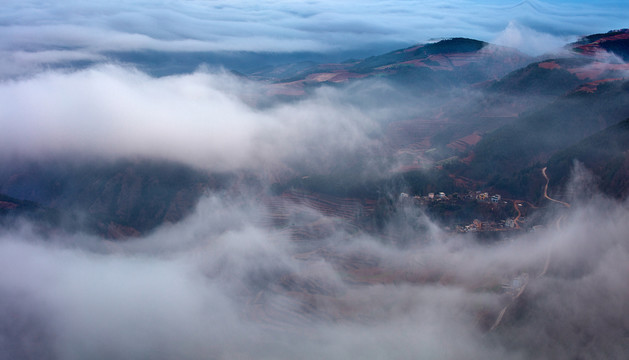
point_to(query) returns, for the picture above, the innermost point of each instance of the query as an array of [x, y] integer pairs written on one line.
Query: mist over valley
[[214, 180]]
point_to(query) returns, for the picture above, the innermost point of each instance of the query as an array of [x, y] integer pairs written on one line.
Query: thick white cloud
[[209, 287], [531, 41], [202, 119]]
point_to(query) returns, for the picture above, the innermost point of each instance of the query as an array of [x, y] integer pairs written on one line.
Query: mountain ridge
[[491, 135]]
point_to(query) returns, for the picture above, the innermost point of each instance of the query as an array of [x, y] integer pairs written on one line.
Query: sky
[[34, 33]]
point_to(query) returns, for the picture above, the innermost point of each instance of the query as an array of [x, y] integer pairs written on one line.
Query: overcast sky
[[36, 31]]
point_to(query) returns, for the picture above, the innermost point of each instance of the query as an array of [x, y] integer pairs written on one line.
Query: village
[[474, 211]]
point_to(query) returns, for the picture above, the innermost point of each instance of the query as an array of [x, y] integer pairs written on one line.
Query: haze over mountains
[[215, 181]]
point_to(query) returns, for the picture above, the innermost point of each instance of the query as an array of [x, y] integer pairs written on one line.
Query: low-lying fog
[[214, 286], [222, 283]]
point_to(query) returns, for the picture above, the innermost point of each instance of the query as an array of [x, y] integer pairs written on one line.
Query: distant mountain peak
[[457, 44], [601, 37], [445, 46], [615, 42]]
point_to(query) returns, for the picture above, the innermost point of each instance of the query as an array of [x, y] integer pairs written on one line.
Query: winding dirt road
[[557, 223], [546, 190], [504, 310], [517, 209], [547, 262]]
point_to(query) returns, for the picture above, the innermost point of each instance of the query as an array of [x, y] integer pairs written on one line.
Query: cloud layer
[[72, 30], [220, 285], [215, 286], [203, 119]]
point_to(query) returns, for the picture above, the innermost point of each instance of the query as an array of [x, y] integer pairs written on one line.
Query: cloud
[[347, 28], [219, 285], [530, 41], [103, 40], [203, 119]]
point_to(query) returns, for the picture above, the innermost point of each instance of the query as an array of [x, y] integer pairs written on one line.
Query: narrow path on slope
[[557, 223], [516, 206], [546, 190], [546, 263], [504, 310]]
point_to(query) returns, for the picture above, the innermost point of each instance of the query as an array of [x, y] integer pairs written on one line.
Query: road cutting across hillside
[[546, 190], [557, 223], [516, 206], [546, 263]]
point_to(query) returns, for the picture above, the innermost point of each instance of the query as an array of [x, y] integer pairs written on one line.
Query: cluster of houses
[[476, 225], [484, 196], [441, 196]]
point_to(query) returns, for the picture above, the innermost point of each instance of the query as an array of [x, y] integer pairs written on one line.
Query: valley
[[446, 189]]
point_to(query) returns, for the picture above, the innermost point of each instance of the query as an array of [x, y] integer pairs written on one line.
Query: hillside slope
[[605, 154], [537, 136], [119, 199]]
